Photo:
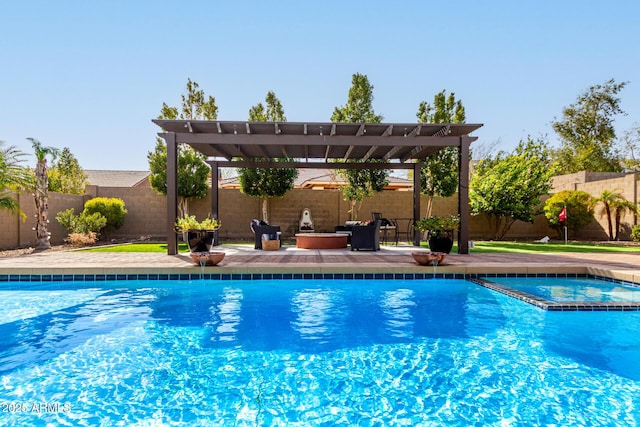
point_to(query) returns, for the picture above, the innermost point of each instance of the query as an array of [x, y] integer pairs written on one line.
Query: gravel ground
[[27, 251]]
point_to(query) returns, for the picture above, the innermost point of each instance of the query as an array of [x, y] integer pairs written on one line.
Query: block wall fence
[[146, 217]]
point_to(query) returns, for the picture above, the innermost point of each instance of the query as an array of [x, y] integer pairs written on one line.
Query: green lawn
[[137, 247], [537, 247], [479, 247]]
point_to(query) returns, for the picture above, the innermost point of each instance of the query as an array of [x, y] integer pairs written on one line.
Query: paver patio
[[390, 259]]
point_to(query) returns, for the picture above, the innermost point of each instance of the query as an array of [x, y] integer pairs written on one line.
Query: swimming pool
[[308, 352]]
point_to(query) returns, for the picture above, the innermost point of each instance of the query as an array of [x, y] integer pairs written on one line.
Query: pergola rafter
[[322, 145]]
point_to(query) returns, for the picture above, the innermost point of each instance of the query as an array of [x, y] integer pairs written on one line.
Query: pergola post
[[416, 200], [463, 194], [214, 196], [172, 191]]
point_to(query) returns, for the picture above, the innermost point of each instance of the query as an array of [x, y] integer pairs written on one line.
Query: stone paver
[[391, 259]]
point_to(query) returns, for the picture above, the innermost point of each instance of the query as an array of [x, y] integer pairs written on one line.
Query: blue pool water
[[302, 352], [572, 289]]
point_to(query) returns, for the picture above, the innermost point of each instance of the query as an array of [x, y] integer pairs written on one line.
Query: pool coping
[[241, 263]]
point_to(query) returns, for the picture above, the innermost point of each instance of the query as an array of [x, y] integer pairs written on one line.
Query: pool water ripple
[[412, 353]]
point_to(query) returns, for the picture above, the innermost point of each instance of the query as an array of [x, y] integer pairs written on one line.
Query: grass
[[479, 247], [137, 247], [550, 247]]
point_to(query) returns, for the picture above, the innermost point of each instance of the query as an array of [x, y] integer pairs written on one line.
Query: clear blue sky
[[90, 75]]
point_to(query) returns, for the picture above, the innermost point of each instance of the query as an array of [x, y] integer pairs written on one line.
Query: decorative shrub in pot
[[439, 231], [200, 235]]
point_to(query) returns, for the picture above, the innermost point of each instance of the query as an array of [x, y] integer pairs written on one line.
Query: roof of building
[[323, 179], [113, 178]]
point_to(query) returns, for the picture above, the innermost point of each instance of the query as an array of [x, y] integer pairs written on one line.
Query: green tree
[[193, 170], [361, 183], [631, 147], [508, 187], [580, 209], [41, 192], [587, 133], [267, 183], [359, 106], [13, 178], [273, 112], [66, 175], [439, 176]]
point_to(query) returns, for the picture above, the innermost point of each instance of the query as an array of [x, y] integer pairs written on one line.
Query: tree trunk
[[609, 222], [183, 207], [265, 209], [429, 205], [41, 195], [616, 227]]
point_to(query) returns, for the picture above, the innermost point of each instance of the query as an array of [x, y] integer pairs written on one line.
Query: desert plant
[[81, 239], [189, 222]]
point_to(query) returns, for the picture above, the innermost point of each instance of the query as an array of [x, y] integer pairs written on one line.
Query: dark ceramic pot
[[440, 244], [200, 240]]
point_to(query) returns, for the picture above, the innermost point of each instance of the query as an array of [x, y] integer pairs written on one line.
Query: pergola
[[316, 145]]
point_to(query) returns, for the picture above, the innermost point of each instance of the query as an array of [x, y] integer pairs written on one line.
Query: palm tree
[[13, 178], [620, 209], [609, 200], [41, 193]]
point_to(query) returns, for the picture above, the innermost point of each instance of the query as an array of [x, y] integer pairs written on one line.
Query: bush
[[91, 223], [580, 210], [68, 220], [635, 233], [111, 208], [84, 223], [81, 239]]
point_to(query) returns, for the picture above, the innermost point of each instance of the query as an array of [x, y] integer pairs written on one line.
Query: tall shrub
[[580, 210], [111, 208]]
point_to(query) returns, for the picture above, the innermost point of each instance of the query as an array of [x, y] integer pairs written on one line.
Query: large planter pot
[[440, 244], [200, 240]]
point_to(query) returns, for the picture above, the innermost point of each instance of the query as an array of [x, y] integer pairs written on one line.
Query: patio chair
[[366, 237], [259, 228], [387, 226]]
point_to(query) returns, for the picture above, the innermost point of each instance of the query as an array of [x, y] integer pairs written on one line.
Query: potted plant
[[439, 231], [200, 235]]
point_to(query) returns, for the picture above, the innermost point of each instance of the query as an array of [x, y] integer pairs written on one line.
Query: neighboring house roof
[[321, 179], [110, 178]]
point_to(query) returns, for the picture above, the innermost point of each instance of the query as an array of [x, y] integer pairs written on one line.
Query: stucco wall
[[147, 211], [16, 233], [628, 187]]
